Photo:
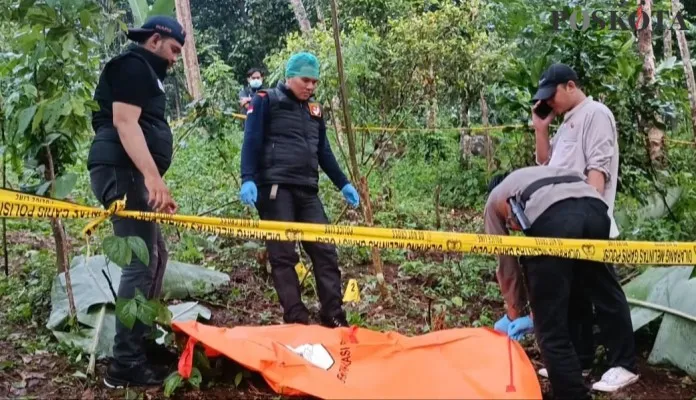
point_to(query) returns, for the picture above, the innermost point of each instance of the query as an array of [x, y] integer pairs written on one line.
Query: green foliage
[[471, 279], [175, 381], [25, 295], [141, 10], [120, 250], [141, 309], [48, 75], [244, 31], [127, 312], [137, 245], [387, 68]]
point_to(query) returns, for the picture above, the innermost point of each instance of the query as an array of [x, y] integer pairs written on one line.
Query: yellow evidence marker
[[352, 292]]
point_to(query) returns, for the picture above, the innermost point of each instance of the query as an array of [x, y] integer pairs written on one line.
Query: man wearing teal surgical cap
[[285, 143]]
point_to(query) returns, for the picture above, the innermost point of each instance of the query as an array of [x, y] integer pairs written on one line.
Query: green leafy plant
[[120, 250], [141, 10], [201, 366]]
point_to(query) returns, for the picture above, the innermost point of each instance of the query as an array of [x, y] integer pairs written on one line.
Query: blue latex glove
[[248, 193], [351, 195], [520, 327], [502, 324]]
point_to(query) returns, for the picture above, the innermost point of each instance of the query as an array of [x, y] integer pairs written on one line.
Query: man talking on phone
[[586, 142]]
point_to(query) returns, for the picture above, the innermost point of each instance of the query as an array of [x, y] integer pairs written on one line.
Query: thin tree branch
[[658, 307]]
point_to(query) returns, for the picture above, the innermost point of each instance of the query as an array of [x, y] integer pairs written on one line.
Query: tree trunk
[[301, 15], [656, 137], [59, 236], [645, 45], [335, 107], [438, 220], [667, 42], [484, 122], [191, 69], [432, 98], [177, 98], [320, 12], [4, 186], [363, 187], [464, 137], [688, 69]]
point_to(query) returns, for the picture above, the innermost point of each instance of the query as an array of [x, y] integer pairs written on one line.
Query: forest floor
[[34, 365]]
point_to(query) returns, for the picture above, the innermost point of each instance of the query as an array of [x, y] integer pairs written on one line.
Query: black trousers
[[550, 282], [108, 184], [300, 204], [581, 320]]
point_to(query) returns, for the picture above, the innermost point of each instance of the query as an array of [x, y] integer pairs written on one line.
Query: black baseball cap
[[162, 24], [555, 75]]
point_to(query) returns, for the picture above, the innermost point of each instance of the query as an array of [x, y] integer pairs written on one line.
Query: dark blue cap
[[165, 26], [555, 75]]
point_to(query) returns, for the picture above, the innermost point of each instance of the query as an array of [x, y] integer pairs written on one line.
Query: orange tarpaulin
[[359, 363]]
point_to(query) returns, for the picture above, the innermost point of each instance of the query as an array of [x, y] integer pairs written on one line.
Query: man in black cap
[[130, 153], [586, 142]]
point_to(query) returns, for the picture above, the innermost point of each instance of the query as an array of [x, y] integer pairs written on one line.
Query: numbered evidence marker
[[301, 271], [352, 292]]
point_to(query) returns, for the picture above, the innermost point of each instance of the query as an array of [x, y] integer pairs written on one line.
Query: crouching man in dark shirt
[[558, 203], [130, 153], [285, 143]]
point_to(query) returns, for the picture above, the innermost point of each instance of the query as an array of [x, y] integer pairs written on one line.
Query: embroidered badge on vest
[[314, 109]]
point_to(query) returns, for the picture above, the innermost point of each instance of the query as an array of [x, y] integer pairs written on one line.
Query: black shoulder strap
[[552, 180], [274, 95]]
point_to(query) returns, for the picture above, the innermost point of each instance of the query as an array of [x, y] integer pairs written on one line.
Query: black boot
[[297, 315], [297, 319], [159, 354], [336, 321], [119, 376]]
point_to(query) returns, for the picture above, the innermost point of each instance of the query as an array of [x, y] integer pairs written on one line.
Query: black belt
[[518, 207]]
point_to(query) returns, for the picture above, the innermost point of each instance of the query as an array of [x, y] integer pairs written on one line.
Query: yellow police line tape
[[19, 205], [388, 129], [453, 129]]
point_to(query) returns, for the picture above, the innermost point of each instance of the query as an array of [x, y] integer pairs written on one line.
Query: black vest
[[291, 142], [106, 146]]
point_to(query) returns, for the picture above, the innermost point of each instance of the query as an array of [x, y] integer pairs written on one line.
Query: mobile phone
[[543, 110]]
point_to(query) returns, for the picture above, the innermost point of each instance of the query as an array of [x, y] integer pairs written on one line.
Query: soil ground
[[28, 370]]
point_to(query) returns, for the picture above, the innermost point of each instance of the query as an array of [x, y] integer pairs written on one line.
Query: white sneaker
[[615, 379], [545, 373]]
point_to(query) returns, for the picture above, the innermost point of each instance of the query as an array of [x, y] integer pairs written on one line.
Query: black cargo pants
[[111, 183], [550, 282], [300, 204]]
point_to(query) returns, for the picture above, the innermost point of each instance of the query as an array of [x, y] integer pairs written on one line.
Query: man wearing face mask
[[285, 143], [130, 153], [255, 80]]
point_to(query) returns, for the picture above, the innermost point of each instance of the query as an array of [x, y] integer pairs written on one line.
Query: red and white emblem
[[315, 110]]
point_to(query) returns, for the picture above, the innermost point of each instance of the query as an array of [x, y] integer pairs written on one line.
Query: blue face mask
[[255, 83]]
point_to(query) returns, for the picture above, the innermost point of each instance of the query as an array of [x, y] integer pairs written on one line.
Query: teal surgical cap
[[303, 65]]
